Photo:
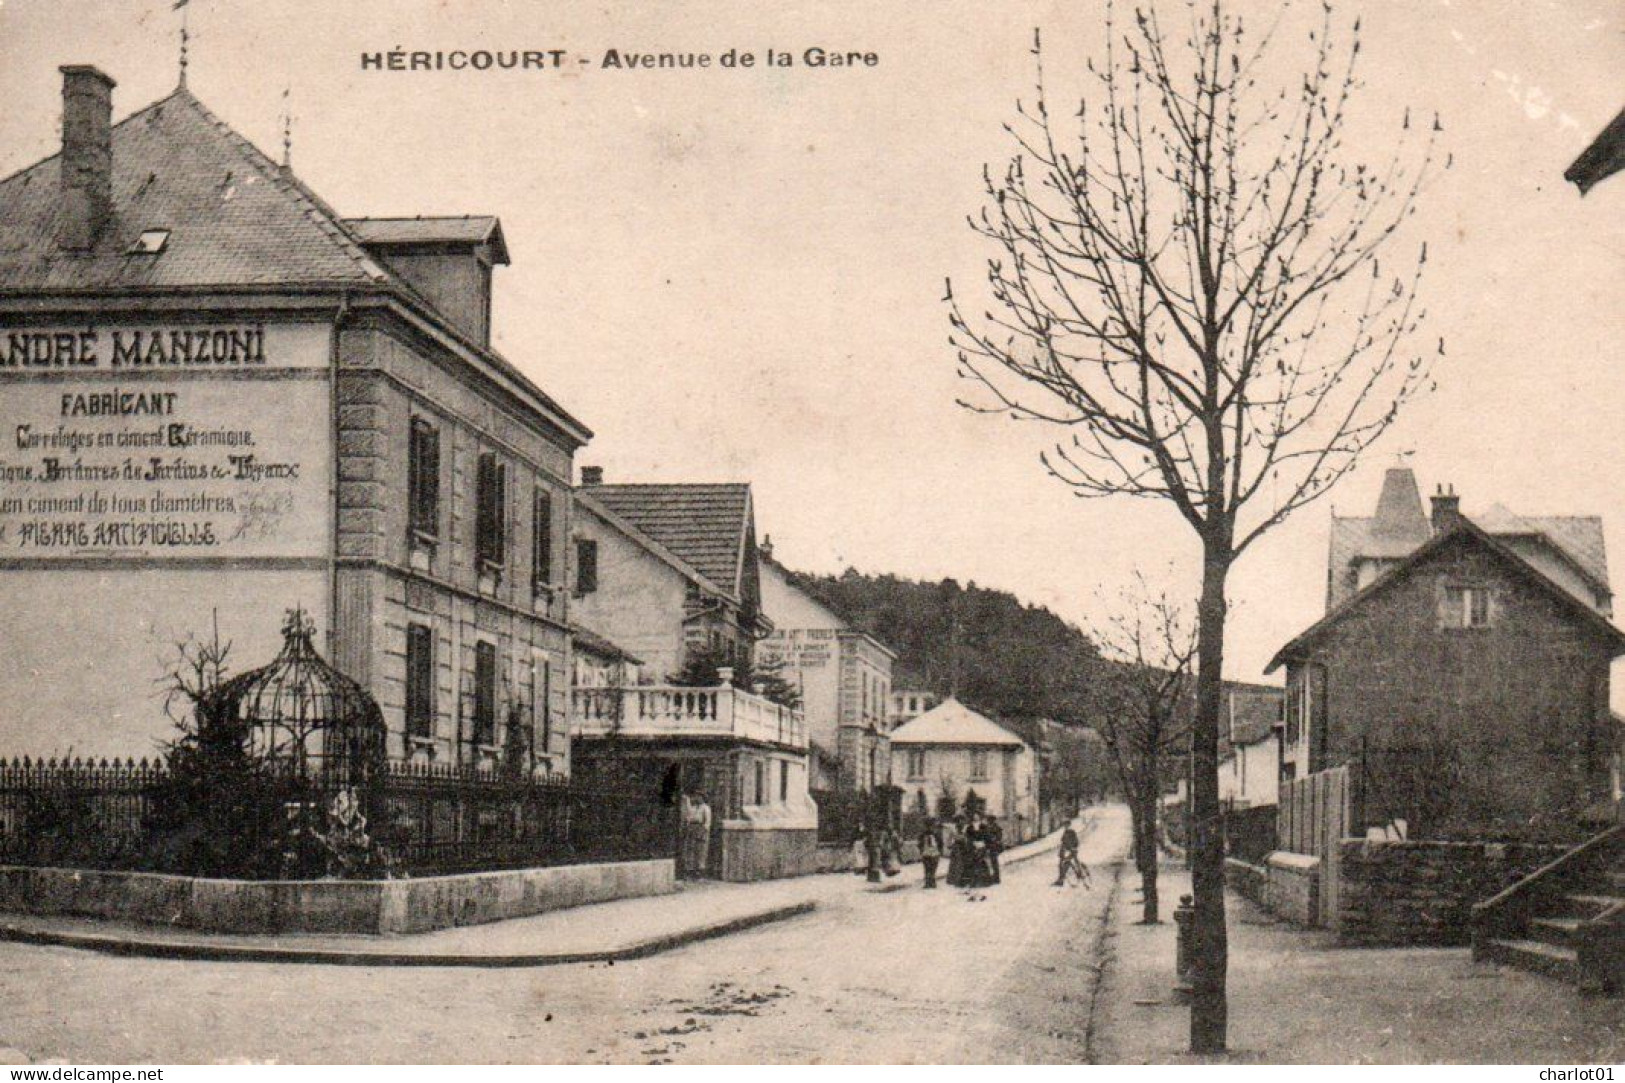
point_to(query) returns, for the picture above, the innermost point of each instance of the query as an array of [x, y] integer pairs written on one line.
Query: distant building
[[844, 676], [953, 756], [1467, 674], [225, 401], [909, 703], [666, 577], [1250, 756]]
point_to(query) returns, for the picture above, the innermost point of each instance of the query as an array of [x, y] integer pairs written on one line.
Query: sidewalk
[[1295, 997], [601, 932]]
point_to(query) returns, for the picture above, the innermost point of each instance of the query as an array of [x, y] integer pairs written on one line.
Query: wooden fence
[[1314, 816]]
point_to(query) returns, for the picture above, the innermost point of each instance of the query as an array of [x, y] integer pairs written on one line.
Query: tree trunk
[[1148, 871], [1209, 1011]]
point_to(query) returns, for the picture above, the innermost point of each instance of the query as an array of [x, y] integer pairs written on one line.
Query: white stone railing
[[672, 711]]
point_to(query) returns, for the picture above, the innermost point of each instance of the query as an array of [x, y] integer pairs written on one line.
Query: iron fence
[[424, 819]]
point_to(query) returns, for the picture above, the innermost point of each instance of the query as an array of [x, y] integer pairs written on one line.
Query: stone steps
[[1549, 943], [1535, 955], [1557, 931], [1587, 904]]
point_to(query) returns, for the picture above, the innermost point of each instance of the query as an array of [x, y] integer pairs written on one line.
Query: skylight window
[[150, 243]]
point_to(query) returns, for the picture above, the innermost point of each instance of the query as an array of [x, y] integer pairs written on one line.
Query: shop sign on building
[[801, 648], [159, 441]]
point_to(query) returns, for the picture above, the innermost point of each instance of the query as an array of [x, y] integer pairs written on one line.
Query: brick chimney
[[87, 156], [592, 475], [1446, 509]]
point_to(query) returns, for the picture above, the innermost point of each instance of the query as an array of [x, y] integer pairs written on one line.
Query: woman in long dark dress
[[976, 866]]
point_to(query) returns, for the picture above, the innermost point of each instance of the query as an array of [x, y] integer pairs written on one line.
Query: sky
[[736, 274]]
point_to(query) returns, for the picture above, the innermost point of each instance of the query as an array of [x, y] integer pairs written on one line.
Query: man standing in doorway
[[696, 835]]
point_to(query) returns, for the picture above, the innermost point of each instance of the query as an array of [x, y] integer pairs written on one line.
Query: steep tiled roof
[[234, 217], [706, 525], [952, 723], [1468, 532], [235, 220], [459, 229], [1252, 714], [1577, 537], [1399, 528], [588, 505]]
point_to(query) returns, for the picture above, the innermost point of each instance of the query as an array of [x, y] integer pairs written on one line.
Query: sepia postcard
[[715, 533]]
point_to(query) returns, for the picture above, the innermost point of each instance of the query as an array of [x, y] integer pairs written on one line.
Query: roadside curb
[[203, 951]]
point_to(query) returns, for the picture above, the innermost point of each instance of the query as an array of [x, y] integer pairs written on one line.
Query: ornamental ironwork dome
[[302, 713]]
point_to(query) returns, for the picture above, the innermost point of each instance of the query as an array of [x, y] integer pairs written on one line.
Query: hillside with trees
[[1004, 657]]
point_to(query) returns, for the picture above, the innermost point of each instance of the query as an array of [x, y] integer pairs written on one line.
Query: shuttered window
[[586, 565], [423, 480], [485, 693], [490, 519], [541, 549], [419, 680], [543, 707]]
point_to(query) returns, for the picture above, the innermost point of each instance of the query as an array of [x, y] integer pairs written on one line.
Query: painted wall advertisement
[[800, 648], [158, 441]]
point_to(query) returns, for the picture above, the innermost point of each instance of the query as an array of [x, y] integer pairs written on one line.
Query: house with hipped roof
[[241, 402], [953, 759], [1462, 667], [667, 591]]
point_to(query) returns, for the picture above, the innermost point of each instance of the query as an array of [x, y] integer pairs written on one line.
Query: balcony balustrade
[[672, 711]]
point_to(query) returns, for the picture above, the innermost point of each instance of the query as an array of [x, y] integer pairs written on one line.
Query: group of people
[[972, 845]]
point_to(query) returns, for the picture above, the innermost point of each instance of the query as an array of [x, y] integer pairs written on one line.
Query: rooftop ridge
[[321, 215]]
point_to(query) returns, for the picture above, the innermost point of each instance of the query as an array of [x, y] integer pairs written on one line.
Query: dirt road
[[901, 975]]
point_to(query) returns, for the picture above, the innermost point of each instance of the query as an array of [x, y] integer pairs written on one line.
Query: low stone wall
[[326, 906], [1422, 892], [767, 853], [1292, 889], [1246, 879], [1286, 884]]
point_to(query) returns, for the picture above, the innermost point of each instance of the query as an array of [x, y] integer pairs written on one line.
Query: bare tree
[[192, 674], [1143, 708], [1186, 279]]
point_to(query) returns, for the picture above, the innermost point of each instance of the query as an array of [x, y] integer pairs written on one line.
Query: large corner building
[[222, 400]]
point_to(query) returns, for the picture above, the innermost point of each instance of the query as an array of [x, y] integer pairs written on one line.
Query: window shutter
[[490, 521], [419, 680], [499, 515], [542, 540], [485, 693], [542, 695], [586, 565], [423, 479]]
